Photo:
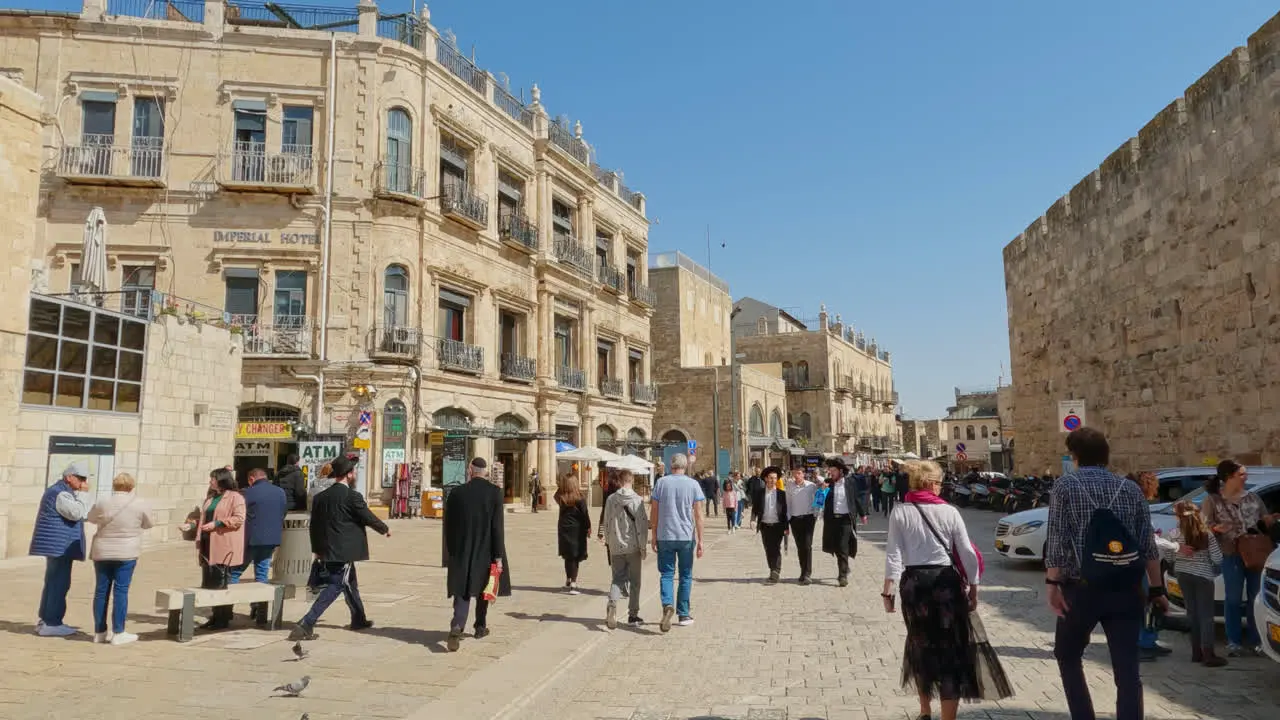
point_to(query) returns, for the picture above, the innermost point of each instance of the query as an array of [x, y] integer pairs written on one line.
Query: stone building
[[1148, 292], [700, 383], [923, 437], [971, 431], [840, 390], [422, 264]]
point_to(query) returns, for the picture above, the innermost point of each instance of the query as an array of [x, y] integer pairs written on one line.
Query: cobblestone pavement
[[782, 653]]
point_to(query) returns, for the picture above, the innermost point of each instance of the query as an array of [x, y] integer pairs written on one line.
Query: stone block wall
[[1150, 290]]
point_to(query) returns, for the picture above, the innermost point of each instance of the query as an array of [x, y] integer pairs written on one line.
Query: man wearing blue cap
[[58, 537]]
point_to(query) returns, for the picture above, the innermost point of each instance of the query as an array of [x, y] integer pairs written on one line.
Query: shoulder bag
[[951, 554], [102, 526]]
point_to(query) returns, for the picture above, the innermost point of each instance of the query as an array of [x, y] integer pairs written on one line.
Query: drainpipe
[[330, 111]]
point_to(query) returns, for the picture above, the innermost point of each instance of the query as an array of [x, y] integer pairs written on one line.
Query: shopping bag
[[491, 590]]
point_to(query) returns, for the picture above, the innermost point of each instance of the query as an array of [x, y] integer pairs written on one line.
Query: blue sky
[[873, 156]]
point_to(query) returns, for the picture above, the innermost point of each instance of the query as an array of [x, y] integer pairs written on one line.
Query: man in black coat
[[769, 511], [339, 517], [474, 540], [842, 508], [294, 485]]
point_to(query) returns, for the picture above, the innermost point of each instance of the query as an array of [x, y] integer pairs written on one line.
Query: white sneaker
[[123, 638], [56, 631], [101, 638], [685, 621], [573, 590]]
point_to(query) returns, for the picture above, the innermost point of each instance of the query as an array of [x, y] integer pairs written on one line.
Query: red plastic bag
[[491, 590]]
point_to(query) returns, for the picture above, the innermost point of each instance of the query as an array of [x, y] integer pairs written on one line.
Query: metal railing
[[563, 138], [568, 250], [518, 367], [644, 393], [571, 378], [397, 340], [294, 17], [400, 180], [292, 335], [675, 258], [612, 387], [611, 277], [517, 228], [465, 70], [459, 200], [844, 384], [604, 176], [146, 304], [460, 356], [512, 106], [191, 11], [642, 294], [251, 164], [404, 28], [98, 156], [629, 196]]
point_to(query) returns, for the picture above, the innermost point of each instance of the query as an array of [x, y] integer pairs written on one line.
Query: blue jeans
[[1238, 582], [1147, 635], [57, 583], [114, 577], [742, 505], [260, 557], [671, 553]]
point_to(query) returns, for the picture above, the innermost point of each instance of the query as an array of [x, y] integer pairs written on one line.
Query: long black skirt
[[947, 654]]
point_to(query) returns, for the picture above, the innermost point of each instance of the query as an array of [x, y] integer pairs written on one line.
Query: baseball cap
[[76, 468]]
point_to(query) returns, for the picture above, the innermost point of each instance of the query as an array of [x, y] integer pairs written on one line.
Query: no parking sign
[[1071, 415]]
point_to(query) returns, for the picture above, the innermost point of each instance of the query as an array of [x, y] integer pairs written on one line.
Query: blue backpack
[[1112, 557]]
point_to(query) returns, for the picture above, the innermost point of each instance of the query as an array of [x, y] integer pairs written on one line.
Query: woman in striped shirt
[[1197, 560]]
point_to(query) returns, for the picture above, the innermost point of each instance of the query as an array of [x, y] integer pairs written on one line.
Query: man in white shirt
[[800, 494], [769, 513]]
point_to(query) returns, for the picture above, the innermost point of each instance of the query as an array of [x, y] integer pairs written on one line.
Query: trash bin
[[292, 566]]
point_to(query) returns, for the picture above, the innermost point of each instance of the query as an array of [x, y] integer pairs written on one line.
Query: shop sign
[[393, 456], [264, 431], [312, 456], [393, 429], [263, 237], [254, 448]]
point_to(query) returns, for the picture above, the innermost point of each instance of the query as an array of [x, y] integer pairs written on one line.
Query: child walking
[[1197, 561], [626, 532], [729, 498]]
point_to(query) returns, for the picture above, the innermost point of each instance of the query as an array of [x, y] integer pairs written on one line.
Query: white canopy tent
[[637, 465], [587, 454]]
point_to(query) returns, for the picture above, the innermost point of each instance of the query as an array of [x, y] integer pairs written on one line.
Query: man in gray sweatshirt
[[626, 531]]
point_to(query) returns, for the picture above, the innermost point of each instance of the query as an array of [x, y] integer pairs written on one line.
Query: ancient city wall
[[1150, 289]]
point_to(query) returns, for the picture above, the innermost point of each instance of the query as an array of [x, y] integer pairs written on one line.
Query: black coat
[[839, 536], [295, 487], [572, 529], [339, 517], [474, 537], [757, 504]]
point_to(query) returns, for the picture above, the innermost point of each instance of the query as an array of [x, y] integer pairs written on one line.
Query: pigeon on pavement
[[298, 652], [294, 689], [305, 716]]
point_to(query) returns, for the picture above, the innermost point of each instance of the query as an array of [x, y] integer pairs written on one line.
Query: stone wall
[[687, 405], [1149, 291], [168, 448]]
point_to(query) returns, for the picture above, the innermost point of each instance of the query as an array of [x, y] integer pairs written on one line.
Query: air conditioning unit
[[402, 335]]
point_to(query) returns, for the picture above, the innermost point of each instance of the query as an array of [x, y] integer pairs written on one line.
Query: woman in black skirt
[[932, 561]]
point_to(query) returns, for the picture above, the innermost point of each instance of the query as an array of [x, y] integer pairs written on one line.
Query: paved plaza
[[782, 652]]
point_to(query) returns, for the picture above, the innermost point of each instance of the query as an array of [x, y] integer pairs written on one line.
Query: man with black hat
[[842, 505], [474, 540], [339, 517]]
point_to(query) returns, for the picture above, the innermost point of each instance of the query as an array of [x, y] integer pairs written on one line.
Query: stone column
[[542, 336], [368, 10], [542, 212], [546, 452], [215, 14], [586, 348], [587, 223]]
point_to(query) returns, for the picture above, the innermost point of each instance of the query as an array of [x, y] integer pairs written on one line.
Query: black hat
[[341, 468], [836, 462], [479, 463]]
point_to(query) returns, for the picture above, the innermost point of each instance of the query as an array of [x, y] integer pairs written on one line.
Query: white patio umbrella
[[587, 454], [93, 257], [637, 465]]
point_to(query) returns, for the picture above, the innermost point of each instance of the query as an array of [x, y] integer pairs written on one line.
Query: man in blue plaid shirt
[[1080, 607]]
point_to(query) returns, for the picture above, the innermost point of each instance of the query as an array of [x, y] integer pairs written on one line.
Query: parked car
[[1266, 609]]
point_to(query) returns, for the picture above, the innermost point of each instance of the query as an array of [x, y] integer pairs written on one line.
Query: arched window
[[509, 423], [788, 373], [805, 425], [775, 424], [968, 433], [756, 423], [395, 297], [637, 442], [399, 151], [802, 374], [605, 437], [955, 432], [451, 418], [674, 437], [984, 431]]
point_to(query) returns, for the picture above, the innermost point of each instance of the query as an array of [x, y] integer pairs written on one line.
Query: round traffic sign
[[961, 456], [960, 447], [1071, 422]]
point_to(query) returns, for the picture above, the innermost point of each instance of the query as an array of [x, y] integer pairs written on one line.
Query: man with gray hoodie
[[626, 532]]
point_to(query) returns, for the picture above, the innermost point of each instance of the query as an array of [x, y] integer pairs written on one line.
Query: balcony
[[564, 138], [98, 160], [612, 387], [459, 202], [860, 391], [253, 169], [462, 68], [519, 232], [642, 295], [844, 385], [518, 368], [644, 393], [191, 11], [569, 251], [612, 278], [401, 182], [290, 336], [571, 378], [395, 342], [458, 356]]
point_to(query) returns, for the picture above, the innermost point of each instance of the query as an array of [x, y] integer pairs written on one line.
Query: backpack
[[1112, 559]]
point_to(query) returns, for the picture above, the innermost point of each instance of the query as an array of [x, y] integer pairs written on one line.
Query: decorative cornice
[[270, 92], [512, 161], [219, 258], [458, 276], [511, 296], [122, 83], [455, 120]]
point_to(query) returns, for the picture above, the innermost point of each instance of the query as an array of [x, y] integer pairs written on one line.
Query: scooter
[[981, 494]]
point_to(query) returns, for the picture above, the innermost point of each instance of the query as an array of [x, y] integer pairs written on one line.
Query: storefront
[[264, 439], [513, 463], [451, 446]]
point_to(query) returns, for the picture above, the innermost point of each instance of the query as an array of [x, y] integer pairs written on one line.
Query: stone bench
[[182, 603]]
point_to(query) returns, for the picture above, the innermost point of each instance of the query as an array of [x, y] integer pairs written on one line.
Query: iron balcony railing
[[147, 304], [563, 138], [860, 391], [512, 106], [604, 176], [629, 196], [611, 278], [400, 180], [459, 201], [612, 387], [465, 70], [99, 157], [844, 384], [644, 393], [642, 294], [396, 340], [294, 17], [281, 335], [516, 228], [251, 164], [518, 367], [569, 251], [571, 378], [403, 28], [460, 356], [191, 11]]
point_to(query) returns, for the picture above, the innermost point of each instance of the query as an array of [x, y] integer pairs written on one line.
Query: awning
[[756, 442]]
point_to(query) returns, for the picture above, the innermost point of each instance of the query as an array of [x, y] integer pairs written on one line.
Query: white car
[[1266, 609]]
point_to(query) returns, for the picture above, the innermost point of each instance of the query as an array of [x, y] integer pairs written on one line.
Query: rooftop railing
[[294, 17], [404, 28], [191, 11], [462, 67], [675, 258], [563, 138], [513, 106]]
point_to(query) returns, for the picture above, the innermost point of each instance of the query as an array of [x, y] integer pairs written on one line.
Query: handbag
[[951, 554], [1254, 549], [491, 589]]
